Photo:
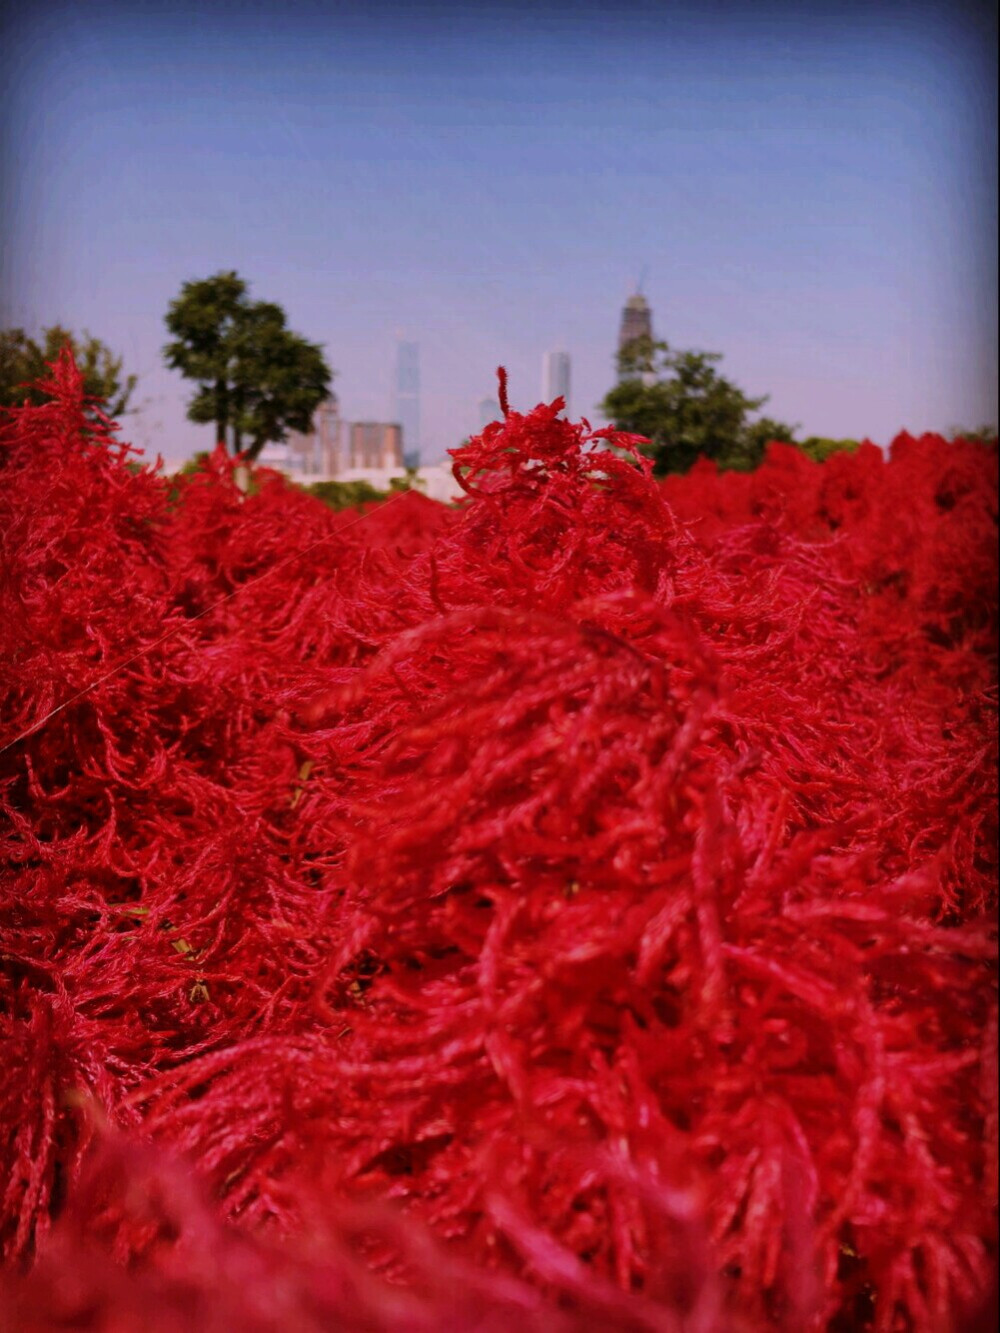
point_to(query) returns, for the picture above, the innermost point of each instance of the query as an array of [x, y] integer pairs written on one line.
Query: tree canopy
[[819, 447], [687, 410], [23, 360], [982, 434], [257, 380]]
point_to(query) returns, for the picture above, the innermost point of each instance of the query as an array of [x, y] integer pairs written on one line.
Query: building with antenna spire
[[637, 319]]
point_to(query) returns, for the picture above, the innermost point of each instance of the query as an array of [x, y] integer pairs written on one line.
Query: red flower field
[[571, 910]]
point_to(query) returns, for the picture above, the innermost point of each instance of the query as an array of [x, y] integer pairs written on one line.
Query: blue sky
[[811, 190]]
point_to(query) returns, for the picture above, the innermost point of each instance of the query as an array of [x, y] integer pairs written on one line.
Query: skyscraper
[[319, 451], [407, 398], [555, 378], [637, 320], [375, 445]]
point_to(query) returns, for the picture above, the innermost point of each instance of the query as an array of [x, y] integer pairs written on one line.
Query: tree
[[686, 409], [23, 361], [983, 435], [256, 379], [819, 448], [759, 434]]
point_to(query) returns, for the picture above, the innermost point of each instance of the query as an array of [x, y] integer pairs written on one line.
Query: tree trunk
[[242, 472], [222, 409], [237, 417]]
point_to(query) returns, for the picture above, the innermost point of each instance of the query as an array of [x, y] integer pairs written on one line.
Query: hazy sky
[[812, 190]]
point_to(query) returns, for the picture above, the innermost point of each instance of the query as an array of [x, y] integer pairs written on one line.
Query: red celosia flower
[[599, 876]]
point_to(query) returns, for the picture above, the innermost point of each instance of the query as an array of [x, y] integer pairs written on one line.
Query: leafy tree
[[257, 380], [759, 434], [687, 409], [204, 320], [982, 435], [819, 448], [23, 361]]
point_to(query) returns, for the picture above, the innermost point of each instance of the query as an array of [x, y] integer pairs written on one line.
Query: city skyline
[[813, 191]]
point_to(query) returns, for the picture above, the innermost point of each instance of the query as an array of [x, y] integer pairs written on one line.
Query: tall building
[[407, 397], [375, 445], [333, 447], [555, 378], [637, 320], [320, 451]]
